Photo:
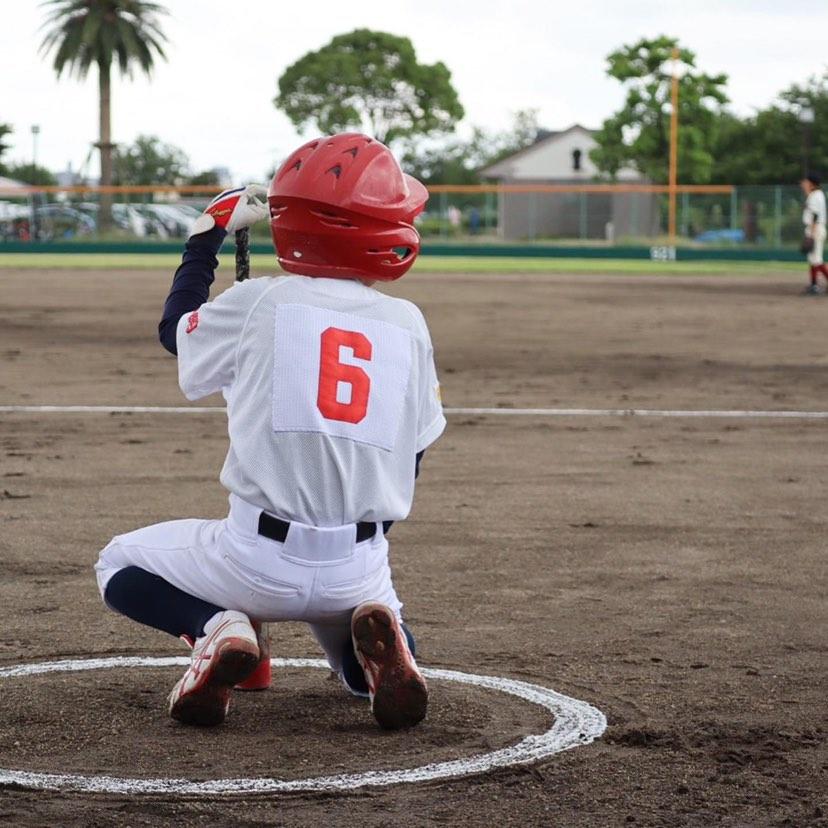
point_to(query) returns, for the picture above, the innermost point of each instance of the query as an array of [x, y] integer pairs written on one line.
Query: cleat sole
[[401, 696]]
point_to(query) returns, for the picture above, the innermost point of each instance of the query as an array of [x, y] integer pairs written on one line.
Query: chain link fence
[[768, 216], [52, 214]]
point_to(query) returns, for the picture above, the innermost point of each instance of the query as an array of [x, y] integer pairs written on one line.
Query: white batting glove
[[234, 209]]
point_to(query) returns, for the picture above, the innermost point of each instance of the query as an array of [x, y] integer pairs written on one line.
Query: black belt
[[276, 529]]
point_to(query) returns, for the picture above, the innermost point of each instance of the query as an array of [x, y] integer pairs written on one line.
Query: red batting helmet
[[341, 207]]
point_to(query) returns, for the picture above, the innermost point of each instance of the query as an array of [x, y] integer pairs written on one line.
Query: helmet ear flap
[[315, 240], [343, 207]]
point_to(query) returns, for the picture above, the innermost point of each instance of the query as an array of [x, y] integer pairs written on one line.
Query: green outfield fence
[[660, 252], [597, 220]]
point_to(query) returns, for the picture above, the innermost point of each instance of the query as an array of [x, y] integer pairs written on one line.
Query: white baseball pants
[[818, 235], [317, 575]]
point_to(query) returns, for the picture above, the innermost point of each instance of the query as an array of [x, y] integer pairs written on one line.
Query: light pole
[[35, 133], [672, 176], [806, 118]]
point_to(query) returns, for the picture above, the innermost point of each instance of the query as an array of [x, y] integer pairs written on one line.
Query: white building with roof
[[562, 158]]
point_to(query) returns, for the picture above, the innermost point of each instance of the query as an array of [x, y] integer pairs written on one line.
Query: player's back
[[331, 393], [815, 208]]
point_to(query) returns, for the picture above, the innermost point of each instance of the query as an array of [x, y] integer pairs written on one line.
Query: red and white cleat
[[261, 677], [399, 695], [225, 655]]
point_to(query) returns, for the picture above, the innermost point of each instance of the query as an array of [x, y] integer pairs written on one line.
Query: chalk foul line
[[726, 413], [576, 723]]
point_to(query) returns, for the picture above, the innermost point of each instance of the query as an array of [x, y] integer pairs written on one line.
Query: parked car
[[719, 236], [125, 216], [14, 221], [59, 221], [171, 220], [48, 221]]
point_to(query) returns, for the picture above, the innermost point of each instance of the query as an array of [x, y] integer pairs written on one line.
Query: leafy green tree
[[207, 178], [459, 161], [812, 96], [443, 164], [371, 81], [763, 149], [150, 161], [5, 131], [775, 145], [31, 174], [638, 135], [524, 131], [125, 33]]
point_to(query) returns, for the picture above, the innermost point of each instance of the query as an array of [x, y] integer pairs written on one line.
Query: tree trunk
[[105, 145]]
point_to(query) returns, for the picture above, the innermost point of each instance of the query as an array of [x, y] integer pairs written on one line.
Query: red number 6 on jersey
[[332, 372]]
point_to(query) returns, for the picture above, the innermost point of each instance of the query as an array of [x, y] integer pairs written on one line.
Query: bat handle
[[242, 254]]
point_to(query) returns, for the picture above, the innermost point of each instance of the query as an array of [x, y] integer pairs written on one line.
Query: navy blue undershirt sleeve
[[417, 460], [387, 524], [191, 283]]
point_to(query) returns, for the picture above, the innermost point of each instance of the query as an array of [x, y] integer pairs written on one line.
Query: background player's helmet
[[341, 207]]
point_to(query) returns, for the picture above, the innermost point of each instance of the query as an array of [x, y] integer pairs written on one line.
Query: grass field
[[426, 264]]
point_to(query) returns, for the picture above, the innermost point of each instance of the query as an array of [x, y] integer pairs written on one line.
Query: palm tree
[[104, 32], [5, 131]]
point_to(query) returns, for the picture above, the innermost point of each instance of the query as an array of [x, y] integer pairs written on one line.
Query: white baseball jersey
[[331, 391], [814, 209]]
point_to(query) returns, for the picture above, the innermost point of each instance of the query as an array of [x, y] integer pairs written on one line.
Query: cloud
[[213, 97]]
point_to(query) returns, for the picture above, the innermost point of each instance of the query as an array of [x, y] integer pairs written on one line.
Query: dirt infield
[[672, 572]]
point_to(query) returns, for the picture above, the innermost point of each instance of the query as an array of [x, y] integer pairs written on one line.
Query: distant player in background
[[813, 217]]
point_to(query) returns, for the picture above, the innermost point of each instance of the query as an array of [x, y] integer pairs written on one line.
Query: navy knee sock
[[149, 599], [353, 673]]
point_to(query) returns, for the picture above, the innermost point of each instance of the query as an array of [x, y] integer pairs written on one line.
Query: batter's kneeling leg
[[225, 646], [338, 645], [149, 599]]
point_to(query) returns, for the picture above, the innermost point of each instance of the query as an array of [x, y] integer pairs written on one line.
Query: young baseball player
[[813, 218], [332, 398]]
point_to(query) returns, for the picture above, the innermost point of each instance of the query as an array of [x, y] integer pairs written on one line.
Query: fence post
[[500, 211], [777, 216], [33, 222], [634, 205], [734, 206]]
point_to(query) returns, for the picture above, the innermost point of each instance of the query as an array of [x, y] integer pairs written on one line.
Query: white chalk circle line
[[576, 723]]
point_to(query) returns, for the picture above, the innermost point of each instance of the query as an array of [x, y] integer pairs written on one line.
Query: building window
[[576, 160]]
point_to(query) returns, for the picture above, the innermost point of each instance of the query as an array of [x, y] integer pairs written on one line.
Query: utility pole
[[674, 126], [34, 224], [806, 118]]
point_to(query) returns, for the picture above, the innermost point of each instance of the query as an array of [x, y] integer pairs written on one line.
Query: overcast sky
[[214, 96]]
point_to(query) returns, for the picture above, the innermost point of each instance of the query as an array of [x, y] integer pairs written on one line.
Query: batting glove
[[234, 209]]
